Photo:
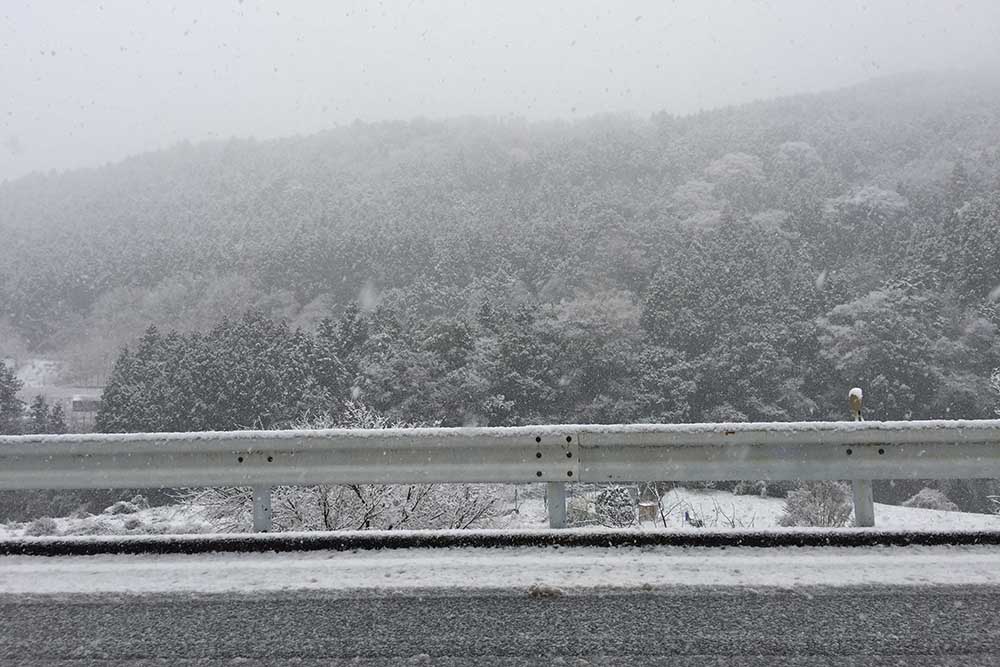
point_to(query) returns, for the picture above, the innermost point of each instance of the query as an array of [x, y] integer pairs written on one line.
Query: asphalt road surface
[[677, 625]]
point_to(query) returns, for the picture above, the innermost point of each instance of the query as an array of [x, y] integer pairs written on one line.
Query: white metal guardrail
[[858, 451]]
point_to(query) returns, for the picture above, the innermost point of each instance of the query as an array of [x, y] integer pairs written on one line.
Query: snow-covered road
[[468, 568], [857, 626]]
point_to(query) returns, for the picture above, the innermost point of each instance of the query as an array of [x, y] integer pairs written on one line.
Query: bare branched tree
[[732, 518], [353, 506]]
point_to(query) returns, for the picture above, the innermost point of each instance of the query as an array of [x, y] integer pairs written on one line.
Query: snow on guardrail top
[[959, 427]]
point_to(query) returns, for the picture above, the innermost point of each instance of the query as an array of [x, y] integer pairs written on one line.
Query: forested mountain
[[752, 262]]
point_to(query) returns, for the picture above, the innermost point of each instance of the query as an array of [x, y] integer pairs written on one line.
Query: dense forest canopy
[[752, 262]]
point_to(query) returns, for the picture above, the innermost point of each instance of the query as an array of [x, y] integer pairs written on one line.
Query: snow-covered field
[[539, 571], [722, 509], [716, 509]]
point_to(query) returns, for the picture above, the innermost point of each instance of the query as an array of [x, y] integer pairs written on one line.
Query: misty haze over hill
[[755, 259], [91, 82]]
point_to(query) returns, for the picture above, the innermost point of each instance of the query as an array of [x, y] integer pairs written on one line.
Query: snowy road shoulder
[[563, 568]]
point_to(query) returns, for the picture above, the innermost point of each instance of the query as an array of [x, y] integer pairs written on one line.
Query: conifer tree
[[38, 415], [11, 406], [57, 419]]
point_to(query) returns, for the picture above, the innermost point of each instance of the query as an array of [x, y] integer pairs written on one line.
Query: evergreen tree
[[995, 385], [11, 406], [959, 186], [248, 373], [57, 419], [120, 403], [327, 359], [882, 342], [38, 415]]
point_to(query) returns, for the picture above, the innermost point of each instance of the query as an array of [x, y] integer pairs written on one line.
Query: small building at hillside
[[81, 403], [83, 412]]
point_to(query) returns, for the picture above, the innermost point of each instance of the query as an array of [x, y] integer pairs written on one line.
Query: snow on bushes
[[825, 504], [931, 499], [41, 527]]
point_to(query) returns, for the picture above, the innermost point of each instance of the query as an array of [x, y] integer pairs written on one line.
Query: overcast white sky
[[86, 82]]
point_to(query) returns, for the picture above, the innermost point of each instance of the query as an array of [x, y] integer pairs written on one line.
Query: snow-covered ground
[[539, 571], [722, 509], [717, 509], [166, 520]]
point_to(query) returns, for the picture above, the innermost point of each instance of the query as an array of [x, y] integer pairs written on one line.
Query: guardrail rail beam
[[850, 450]]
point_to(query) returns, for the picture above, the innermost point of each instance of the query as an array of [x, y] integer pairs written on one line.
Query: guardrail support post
[[555, 502], [864, 505], [262, 509]]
